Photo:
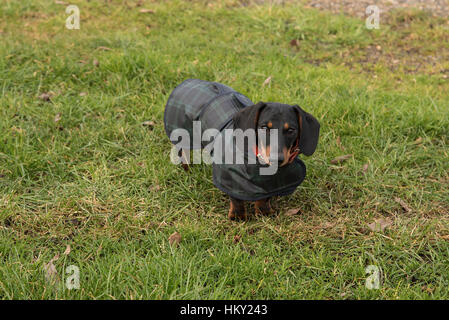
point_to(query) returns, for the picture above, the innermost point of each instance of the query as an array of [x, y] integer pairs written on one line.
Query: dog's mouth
[[293, 153], [263, 155]]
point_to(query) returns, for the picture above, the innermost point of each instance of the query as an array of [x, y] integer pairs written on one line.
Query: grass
[[81, 170]]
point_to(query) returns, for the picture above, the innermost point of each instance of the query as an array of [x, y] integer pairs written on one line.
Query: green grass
[[99, 181]]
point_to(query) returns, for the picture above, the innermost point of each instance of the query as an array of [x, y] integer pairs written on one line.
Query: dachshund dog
[[298, 132], [218, 107]]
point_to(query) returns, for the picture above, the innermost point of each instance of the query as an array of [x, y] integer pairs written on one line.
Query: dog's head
[[297, 130]]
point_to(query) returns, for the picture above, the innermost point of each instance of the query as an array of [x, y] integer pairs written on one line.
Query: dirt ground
[[406, 53], [358, 7]]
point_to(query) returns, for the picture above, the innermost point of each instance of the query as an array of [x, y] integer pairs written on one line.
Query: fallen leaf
[[236, 239], [427, 289], [83, 94], [58, 117], [418, 141], [18, 130], [51, 274], [175, 238], [339, 143], [75, 221], [67, 250], [341, 159], [95, 63], [403, 204], [445, 237], [327, 225], [149, 124], [294, 43], [103, 48], [146, 11], [379, 225], [267, 81], [365, 167], [292, 212], [45, 96]]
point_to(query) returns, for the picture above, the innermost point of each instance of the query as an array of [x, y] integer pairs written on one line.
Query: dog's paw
[[237, 210], [237, 215], [263, 207]]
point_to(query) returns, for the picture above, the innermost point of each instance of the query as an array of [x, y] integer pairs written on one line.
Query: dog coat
[[214, 105]]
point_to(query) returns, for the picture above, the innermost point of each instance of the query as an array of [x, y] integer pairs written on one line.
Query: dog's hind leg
[[237, 210]]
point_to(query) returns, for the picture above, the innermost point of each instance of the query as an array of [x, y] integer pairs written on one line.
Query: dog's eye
[[291, 130], [264, 127]]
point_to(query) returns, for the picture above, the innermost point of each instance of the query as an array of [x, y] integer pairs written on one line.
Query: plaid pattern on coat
[[214, 105]]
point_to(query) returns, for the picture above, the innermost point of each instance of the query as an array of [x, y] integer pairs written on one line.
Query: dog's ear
[[309, 130], [248, 117]]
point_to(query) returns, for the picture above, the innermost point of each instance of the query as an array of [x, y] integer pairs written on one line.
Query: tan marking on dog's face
[[270, 125], [286, 126]]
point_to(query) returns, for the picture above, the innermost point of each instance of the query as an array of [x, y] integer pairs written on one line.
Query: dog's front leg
[[237, 210], [263, 207]]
